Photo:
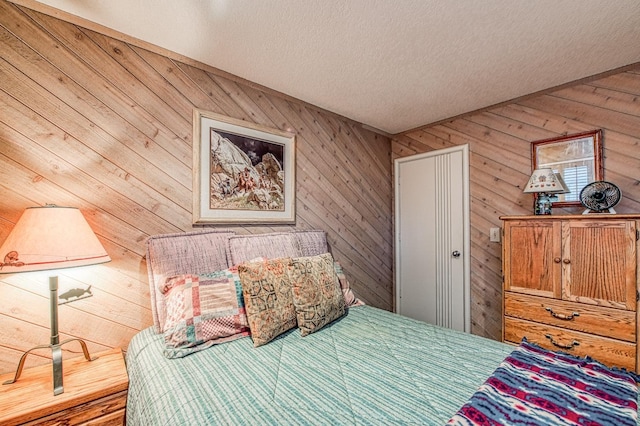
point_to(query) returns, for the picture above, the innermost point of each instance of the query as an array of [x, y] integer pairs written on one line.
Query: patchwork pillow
[[194, 252], [202, 310], [317, 295], [536, 386], [267, 296], [350, 298]]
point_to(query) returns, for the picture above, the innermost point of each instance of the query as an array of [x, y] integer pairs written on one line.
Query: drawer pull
[[561, 316], [560, 345]]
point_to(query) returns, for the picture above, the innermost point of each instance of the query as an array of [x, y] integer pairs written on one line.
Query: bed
[[366, 366]]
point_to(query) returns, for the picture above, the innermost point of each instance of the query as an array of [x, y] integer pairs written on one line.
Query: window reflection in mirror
[[578, 158]]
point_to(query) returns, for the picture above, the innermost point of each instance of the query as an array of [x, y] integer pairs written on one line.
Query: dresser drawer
[[608, 351], [608, 322]]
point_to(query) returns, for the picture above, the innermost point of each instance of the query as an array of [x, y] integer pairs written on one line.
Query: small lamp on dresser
[[50, 238], [547, 185]]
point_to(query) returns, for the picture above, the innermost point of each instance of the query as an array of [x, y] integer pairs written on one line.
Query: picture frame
[[243, 173], [577, 158]]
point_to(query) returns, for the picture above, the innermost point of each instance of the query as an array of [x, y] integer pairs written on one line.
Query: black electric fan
[[600, 196]]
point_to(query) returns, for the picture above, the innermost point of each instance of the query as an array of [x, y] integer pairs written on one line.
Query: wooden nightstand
[[95, 393]]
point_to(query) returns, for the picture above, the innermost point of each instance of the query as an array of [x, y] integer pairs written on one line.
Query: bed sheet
[[371, 367]]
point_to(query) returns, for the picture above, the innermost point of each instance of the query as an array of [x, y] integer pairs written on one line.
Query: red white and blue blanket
[[533, 386]]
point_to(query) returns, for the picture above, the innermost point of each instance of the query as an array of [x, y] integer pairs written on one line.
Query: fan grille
[[600, 195]]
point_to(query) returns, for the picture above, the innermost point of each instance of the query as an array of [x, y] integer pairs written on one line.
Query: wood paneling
[[105, 125], [499, 141]]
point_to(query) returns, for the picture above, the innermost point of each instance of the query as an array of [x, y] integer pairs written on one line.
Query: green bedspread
[[371, 367]]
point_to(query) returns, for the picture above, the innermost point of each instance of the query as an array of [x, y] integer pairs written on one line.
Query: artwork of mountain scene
[[246, 173]]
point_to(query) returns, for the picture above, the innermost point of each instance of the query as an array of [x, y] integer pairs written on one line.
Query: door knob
[[456, 253]]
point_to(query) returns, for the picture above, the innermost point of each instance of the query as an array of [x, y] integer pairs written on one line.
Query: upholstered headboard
[[199, 252]]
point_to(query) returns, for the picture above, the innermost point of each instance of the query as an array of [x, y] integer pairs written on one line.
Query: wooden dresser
[[95, 393], [570, 283]]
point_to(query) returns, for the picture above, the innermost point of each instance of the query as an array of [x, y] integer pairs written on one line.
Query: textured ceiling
[[393, 65]]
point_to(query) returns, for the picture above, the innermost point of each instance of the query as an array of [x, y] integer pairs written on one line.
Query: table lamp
[[546, 185], [47, 238]]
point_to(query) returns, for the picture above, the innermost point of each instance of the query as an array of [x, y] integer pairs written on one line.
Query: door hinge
[[637, 296], [637, 235]]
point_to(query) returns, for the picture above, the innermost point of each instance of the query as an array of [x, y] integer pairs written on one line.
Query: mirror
[[578, 159]]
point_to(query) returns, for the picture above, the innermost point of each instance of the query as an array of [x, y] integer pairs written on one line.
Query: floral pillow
[[202, 310], [267, 295], [317, 295]]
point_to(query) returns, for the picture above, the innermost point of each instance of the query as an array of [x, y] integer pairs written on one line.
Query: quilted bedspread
[[371, 367]]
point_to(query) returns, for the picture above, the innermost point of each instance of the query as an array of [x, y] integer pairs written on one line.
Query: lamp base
[[55, 346], [56, 355], [543, 203]]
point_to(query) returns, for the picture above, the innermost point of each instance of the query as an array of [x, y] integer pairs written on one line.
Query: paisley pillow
[[317, 296], [267, 296]]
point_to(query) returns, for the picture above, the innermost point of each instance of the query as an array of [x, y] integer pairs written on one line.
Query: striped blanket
[[533, 386], [371, 367]]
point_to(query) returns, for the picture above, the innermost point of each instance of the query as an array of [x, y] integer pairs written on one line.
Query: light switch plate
[[494, 235]]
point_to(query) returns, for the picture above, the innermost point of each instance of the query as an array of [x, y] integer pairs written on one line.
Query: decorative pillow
[[536, 386], [267, 295], [350, 298], [194, 252], [317, 296], [201, 311]]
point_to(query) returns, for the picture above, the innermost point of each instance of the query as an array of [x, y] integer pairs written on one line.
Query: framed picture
[[577, 158], [243, 173]]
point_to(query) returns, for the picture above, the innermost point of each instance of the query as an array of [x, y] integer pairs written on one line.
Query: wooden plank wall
[[500, 163], [104, 125]]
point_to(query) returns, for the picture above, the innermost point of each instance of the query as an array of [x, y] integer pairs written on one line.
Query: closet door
[[432, 237]]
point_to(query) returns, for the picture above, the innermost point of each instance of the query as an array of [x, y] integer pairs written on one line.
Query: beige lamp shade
[[544, 180], [50, 237], [563, 185]]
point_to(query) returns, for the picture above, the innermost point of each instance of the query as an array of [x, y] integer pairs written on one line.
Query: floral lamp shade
[[545, 180]]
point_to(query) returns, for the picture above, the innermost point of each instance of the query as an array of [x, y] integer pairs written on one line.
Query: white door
[[432, 237]]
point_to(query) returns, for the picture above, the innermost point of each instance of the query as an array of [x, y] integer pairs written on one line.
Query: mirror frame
[[598, 165]]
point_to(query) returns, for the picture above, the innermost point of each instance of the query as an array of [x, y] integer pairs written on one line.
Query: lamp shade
[[50, 237], [563, 185], [544, 180]]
